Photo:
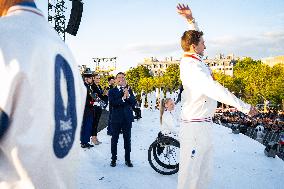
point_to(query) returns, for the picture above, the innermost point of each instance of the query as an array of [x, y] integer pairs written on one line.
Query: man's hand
[[185, 11], [126, 93], [253, 111], [105, 93]]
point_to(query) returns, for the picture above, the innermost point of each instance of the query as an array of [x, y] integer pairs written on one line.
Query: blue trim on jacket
[[28, 4], [4, 122]]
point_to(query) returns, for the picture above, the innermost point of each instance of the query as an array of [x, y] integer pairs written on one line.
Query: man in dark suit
[[121, 99]]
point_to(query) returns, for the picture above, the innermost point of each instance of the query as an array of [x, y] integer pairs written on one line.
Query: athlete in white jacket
[[168, 118], [200, 95], [41, 102]]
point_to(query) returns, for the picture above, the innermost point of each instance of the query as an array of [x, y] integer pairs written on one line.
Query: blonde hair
[[162, 108], [6, 4]]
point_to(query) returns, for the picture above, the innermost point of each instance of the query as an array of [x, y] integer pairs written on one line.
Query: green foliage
[[104, 81], [146, 84], [172, 77], [255, 82], [139, 79], [134, 75]]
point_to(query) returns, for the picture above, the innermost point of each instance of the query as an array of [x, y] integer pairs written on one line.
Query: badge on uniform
[[64, 108], [193, 154]]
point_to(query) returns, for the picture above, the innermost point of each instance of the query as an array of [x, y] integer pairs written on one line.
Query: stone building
[[271, 61], [222, 63], [157, 67]]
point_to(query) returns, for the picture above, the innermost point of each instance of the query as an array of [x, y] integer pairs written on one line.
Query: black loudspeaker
[[75, 17]]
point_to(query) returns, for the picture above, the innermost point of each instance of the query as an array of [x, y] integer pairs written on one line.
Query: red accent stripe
[[202, 118], [200, 121], [25, 10], [207, 119], [192, 56]]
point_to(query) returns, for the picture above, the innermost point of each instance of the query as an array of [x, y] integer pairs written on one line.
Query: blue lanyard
[[28, 4]]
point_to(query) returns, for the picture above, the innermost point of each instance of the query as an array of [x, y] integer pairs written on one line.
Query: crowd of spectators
[[267, 128], [271, 120]]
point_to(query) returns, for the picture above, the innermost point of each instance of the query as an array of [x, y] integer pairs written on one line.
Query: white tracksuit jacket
[[42, 96], [200, 97], [169, 123]]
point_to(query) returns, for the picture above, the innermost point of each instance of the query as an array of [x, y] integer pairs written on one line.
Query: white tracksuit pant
[[200, 95], [196, 149]]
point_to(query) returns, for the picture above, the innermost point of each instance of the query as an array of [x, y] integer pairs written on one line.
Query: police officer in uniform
[[88, 118]]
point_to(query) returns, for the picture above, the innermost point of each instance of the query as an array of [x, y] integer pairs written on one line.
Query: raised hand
[[184, 11]]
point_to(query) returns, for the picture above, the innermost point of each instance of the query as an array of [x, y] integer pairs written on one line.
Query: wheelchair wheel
[[163, 155]]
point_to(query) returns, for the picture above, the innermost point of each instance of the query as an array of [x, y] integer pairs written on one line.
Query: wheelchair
[[163, 155]]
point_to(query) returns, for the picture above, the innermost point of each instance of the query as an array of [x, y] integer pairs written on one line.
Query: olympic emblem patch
[[64, 108], [193, 153]]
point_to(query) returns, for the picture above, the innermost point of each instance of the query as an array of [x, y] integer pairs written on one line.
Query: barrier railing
[[270, 137]]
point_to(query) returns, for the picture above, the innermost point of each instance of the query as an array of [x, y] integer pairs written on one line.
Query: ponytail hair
[[162, 108]]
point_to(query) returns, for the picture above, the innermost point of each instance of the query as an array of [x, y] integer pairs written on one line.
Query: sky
[[136, 29]]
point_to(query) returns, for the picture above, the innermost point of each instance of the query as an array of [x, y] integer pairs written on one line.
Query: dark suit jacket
[[121, 111], [89, 99]]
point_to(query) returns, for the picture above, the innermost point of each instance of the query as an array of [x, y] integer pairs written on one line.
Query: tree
[[172, 77], [146, 84], [256, 82], [253, 81], [134, 75], [104, 81], [276, 85]]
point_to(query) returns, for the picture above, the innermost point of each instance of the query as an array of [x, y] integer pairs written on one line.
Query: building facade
[[156, 67], [220, 63], [271, 61]]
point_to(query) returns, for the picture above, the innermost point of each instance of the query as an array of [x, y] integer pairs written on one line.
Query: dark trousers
[[87, 124], [97, 116], [109, 130], [126, 131], [137, 112]]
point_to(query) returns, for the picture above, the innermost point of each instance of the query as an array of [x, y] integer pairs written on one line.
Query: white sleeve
[[193, 26], [9, 79], [207, 86]]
